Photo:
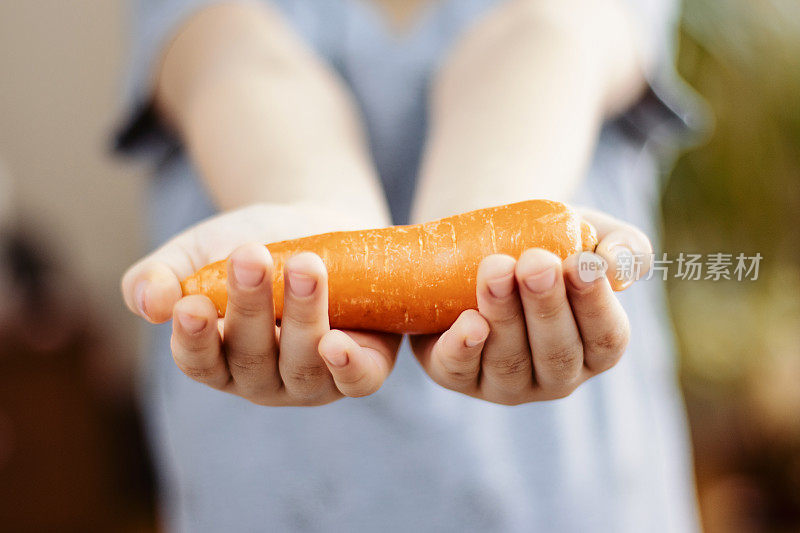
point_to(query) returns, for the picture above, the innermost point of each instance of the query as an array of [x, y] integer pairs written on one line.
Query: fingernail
[[625, 265], [191, 323], [541, 281], [140, 294], [337, 358], [501, 287], [591, 267], [247, 274], [301, 284]]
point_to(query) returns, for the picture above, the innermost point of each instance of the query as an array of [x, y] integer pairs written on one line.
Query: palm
[[214, 239]]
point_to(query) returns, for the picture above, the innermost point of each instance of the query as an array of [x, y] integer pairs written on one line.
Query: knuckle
[[307, 380], [504, 318], [562, 362], [550, 308], [459, 375], [247, 306], [611, 343], [597, 310], [301, 319], [248, 358], [510, 366], [246, 362]]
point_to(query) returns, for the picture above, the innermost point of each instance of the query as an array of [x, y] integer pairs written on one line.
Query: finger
[[627, 249], [304, 322], [357, 369], [386, 344], [453, 359], [196, 346], [506, 367], [552, 332], [151, 289], [601, 320], [629, 255], [249, 331]]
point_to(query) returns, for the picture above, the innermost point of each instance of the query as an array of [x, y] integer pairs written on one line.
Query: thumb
[[152, 286], [150, 290]]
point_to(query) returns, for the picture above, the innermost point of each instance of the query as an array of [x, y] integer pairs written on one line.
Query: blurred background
[[72, 455], [740, 192]]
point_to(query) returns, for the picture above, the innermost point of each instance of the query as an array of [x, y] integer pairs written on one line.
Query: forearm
[[263, 119], [517, 107]]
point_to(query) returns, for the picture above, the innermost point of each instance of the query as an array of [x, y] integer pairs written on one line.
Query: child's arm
[[516, 112], [518, 104], [262, 117], [266, 124]]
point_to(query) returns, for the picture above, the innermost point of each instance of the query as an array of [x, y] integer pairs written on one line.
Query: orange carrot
[[417, 278]]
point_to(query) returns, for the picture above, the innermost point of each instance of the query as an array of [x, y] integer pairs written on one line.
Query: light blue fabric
[[612, 457]]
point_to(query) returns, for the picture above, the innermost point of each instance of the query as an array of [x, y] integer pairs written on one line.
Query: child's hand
[[303, 362], [541, 328]]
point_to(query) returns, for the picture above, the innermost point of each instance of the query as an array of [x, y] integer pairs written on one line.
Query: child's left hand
[[541, 328]]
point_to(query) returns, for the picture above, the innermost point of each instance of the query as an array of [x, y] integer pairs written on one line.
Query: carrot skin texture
[[416, 278]]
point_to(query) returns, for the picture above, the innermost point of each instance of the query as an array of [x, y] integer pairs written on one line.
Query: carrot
[[417, 278]]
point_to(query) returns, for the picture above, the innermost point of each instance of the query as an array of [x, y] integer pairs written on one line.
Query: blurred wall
[[60, 65]]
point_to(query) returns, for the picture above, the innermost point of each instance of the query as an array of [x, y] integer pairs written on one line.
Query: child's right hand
[[302, 362]]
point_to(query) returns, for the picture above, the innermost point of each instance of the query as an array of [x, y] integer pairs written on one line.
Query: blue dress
[[612, 457]]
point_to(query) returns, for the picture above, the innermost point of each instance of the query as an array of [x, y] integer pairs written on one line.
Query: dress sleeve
[[152, 24], [669, 114]]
